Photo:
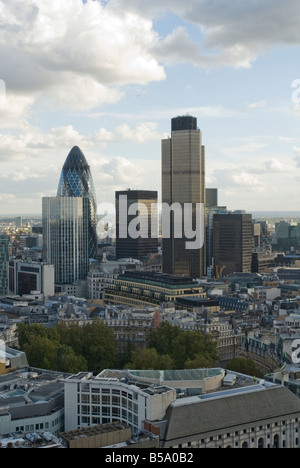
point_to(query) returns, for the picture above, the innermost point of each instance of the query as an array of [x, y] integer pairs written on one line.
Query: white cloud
[[32, 142], [74, 53], [143, 132], [232, 33], [257, 105]]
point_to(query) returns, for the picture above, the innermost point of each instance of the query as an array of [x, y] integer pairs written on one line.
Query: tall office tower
[[211, 209], [4, 264], [233, 240], [183, 182], [76, 181], [69, 222], [136, 208], [65, 226]]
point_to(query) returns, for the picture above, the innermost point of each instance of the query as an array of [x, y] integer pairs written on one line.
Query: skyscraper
[[4, 264], [69, 221], [146, 243], [183, 182], [76, 181], [233, 241]]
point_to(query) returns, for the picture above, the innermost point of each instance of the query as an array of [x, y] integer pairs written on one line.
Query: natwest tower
[[183, 183]]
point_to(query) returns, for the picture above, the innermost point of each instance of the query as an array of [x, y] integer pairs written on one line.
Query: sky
[[108, 76]]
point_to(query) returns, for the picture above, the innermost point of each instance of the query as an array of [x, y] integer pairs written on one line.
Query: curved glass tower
[[76, 181]]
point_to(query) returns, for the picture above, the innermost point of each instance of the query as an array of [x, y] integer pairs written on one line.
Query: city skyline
[[93, 75]]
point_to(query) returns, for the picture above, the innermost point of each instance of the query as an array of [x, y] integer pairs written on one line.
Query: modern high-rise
[[212, 208], [4, 264], [69, 222], [232, 245], [76, 181], [183, 183], [140, 208]]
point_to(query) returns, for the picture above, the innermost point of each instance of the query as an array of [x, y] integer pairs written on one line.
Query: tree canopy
[[69, 348], [72, 348], [170, 347]]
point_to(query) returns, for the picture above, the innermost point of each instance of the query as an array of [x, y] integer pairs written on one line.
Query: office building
[[4, 262], [233, 241], [26, 277], [286, 237], [186, 409], [138, 207], [93, 400], [69, 222], [256, 416], [76, 181], [31, 401], [211, 209], [148, 289], [183, 182], [65, 222]]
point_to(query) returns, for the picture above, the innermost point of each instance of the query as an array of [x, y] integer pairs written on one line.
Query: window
[[105, 400], [85, 409], [96, 399], [95, 410], [116, 400], [105, 411], [85, 398]]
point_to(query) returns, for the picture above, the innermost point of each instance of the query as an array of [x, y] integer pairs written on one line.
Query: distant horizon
[[253, 212]]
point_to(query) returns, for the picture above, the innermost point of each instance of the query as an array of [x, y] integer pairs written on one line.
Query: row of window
[[38, 426]]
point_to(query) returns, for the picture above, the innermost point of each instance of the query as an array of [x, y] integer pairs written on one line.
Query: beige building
[[183, 182], [97, 436], [148, 289]]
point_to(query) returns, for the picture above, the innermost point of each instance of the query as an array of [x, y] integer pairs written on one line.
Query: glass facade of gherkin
[[76, 181]]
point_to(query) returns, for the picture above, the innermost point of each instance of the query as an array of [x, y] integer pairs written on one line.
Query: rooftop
[[162, 279], [176, 375], [226, 410]]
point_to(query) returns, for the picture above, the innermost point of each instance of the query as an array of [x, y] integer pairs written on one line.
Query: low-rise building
[[202, 408], [142, 288], [31, 401], [258, 416], [98, 400]]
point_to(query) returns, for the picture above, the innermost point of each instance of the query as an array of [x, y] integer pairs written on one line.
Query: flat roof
[[93, 430], [161, 278], [177, 375]]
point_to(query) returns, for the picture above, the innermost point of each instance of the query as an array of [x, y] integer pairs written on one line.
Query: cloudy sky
[[108, 76]]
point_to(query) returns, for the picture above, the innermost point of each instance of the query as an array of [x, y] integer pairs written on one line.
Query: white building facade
[[98, 400]]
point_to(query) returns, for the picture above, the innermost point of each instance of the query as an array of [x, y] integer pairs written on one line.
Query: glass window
[[105, 400], [85, 409]]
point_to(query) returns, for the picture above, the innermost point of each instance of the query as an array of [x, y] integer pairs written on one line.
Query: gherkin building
[[76, 181]]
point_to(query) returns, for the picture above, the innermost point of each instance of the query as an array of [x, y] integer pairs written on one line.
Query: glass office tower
[[76, 181], [4, 264], [70, 221], [65, 234], [183, 182]]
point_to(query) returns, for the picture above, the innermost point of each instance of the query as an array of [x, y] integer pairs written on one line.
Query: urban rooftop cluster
[[131, 337]]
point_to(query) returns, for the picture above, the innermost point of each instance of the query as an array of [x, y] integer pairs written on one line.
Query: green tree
[[67, 361], [99, 346], [41, 352], [184, 346], [69, 346], [244, 366], [149, 358]]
